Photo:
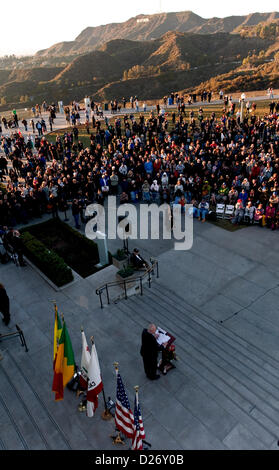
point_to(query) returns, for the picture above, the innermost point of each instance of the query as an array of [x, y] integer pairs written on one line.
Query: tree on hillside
[[268, 31], [24, 99]]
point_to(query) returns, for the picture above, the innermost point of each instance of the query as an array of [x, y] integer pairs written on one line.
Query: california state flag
[[85, 360], [95, 384]]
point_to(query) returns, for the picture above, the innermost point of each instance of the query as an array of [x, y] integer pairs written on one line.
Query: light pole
[[242, 101]]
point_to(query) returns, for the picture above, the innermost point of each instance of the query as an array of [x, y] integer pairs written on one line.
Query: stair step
[[266, 361], [20, 415], [30, 412], [9, 431], [229, 367], [245, 360], [213, 374], [198, 338]]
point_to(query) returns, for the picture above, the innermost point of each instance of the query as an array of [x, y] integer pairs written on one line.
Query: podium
[[168, 351]]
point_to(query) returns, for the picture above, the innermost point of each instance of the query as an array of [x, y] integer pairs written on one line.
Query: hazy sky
[[30, 25]]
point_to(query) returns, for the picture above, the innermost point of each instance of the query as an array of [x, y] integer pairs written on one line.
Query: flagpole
[[79, 391], [117, 439], [106, 415], [137, 394], [137, 404], [54, 304]]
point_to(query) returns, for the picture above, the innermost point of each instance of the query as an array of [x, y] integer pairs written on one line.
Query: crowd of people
[[180, 158]]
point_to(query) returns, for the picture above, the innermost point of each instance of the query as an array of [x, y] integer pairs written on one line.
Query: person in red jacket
[[270, 216], [157, 165], [255, 172]]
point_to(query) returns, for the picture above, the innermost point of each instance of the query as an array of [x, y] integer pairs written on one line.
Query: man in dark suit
[[149, 352], [137, 260], [4, 305]]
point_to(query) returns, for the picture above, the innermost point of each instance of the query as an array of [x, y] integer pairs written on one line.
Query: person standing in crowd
[[32, 124], [215, 157], [4, 305], [24, 122], [76, 212], [13, 239], [149, 352]]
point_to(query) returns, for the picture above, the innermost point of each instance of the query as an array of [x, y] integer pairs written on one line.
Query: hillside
[[148, 69], [148, 27], [233, 53], [242, 78]]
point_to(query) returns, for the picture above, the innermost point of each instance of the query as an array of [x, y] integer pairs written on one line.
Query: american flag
[[139, 433], [124, 418]]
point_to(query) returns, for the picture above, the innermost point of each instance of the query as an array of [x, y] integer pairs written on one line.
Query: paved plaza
[[220, 301]]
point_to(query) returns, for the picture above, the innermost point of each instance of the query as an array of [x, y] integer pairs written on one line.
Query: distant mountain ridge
[[148, 69], [233, 53], [148, 27]]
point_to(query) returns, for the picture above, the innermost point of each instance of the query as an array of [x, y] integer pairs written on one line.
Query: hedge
[[126, 272], [46, 260], [78, 252]]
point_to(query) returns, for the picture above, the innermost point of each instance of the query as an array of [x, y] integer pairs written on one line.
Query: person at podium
[[149, 352]]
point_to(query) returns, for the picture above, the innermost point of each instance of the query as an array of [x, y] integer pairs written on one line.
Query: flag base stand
[[106, 415], [117, 439], [82, 406]]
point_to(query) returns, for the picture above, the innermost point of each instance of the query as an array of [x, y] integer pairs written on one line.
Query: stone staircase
[[26, 423], [224, 382], [241, 378]]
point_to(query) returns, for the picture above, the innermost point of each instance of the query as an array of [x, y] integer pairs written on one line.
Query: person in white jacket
[[165, 180], [249, 212], [155, 190], [203, 209]]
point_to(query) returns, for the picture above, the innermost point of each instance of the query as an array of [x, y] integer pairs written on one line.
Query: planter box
[[76, 277], [133, 286], [128, 278], [120, 263]]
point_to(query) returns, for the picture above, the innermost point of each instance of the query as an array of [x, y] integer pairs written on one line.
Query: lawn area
[[78, 252], [227, 225]]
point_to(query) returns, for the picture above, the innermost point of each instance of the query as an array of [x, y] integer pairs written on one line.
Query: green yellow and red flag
[[57, 334], [64, 367]]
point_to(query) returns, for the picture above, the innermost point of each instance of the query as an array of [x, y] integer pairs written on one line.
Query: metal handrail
[[148, 272], [19, 333]]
